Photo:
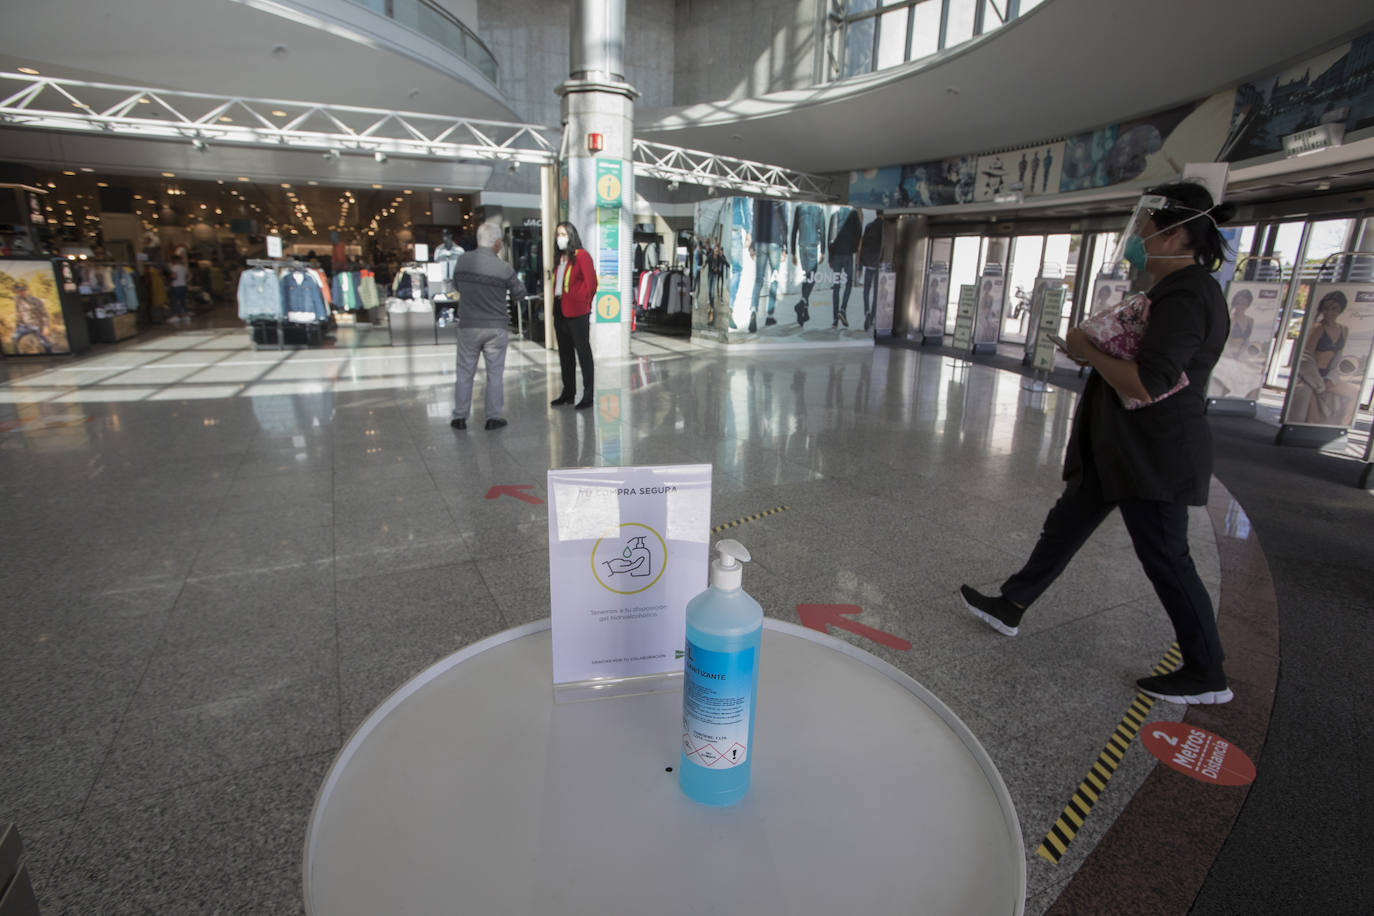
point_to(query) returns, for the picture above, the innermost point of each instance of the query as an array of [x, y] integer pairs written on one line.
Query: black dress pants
[[574, 341], [1159, 533]]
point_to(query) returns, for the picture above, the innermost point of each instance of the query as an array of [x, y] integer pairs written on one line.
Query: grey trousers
[[491, 344]]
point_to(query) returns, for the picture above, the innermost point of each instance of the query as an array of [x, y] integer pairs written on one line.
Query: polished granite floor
[[218, 560]]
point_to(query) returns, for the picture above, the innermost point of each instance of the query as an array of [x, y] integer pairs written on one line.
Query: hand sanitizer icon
[[635, 559]]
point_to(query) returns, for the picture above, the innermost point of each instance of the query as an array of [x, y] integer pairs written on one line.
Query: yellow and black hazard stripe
[[748, 518], [1057, 841]]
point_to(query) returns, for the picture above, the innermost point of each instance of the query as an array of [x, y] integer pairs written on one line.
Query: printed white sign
[[628, 548], [274, 246]]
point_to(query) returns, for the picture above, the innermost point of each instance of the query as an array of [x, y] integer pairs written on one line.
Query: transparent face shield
[[1135, 226]]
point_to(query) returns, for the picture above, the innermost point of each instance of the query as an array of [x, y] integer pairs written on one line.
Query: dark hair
[[1335, 296], [1244, 296], [574, 240], [1192, 199]]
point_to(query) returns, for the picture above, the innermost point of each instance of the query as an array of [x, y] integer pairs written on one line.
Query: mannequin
[[447, 254]]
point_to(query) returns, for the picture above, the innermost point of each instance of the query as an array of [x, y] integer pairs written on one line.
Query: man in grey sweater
[[483, 280]]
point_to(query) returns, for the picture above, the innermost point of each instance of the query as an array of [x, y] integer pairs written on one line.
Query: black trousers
[[1159, 533], [574, 341]]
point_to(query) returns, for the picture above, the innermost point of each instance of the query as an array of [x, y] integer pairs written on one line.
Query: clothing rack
[[274, 263], [288, 264]]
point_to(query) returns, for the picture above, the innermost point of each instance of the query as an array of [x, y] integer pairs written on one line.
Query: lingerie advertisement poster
[[31, 322], [1337, 341], [1108, 291], [988, 320], [790, 272], [937, 303], [1254, 308]]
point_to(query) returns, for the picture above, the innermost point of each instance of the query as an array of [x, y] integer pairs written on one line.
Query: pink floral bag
[[1117, 331]]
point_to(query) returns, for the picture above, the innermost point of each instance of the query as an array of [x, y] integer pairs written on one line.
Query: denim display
[[259, 294], [301, 292]]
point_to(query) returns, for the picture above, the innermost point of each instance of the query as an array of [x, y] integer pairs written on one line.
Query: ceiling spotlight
[[331, 154], [379, 156], [673, 186], [198, 144]]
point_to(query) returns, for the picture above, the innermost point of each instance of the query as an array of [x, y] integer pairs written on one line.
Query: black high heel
[[560, 400]]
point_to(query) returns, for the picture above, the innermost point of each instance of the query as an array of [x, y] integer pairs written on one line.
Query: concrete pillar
[[598, 107]]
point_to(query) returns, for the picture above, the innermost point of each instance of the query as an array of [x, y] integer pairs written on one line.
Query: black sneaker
[[458, 423], [769, 321], [1188, 687], [496, 423], [995, 611]]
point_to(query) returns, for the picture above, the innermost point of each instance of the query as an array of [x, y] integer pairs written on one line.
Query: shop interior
[[124, 234]]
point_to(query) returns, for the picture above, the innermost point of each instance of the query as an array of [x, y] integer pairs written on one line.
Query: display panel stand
[[1333, 354], [1238, 376], [963, 323], [628, 548], [1230, 407]]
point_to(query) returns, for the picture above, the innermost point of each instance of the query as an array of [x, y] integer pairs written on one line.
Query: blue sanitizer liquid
[[720, 692]]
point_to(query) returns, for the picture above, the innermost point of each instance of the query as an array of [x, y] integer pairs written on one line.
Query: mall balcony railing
[[439, 25]]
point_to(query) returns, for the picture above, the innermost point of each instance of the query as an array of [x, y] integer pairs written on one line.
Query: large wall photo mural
[[791, 272], [1238, 124]]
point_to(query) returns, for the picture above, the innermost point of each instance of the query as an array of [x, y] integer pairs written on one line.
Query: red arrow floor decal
[[514, 489], [820, 616]]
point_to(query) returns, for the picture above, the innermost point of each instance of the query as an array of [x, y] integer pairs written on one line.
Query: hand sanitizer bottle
[[720, 684]]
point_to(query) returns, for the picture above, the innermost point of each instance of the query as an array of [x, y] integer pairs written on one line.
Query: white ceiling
[[226, 47], [1065, 67]]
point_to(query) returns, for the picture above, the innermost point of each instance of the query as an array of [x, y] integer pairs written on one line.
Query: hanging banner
[[1337, 342], [1255, 308], [564, 178], [1051, 313], [608, 308], [965, 316], [609, 182], [628, 547], [988, 321], [937, 303]]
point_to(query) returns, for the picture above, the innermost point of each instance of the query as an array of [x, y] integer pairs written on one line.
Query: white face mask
[[562, 243]]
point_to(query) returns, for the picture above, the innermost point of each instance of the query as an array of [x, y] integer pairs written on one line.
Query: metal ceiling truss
[[673, 163], [201, 119]]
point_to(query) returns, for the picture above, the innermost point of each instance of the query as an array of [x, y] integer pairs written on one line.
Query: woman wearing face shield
[[1151, 463], [574, 285]]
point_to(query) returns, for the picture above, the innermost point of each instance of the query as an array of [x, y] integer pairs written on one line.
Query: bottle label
[[716, 694]]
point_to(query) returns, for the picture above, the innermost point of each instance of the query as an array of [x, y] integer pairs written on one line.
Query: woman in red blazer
[[574, 285]]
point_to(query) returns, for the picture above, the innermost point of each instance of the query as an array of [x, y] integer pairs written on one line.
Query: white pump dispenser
[[726, 571]]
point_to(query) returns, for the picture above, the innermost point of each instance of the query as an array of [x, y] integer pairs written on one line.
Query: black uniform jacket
[[1162, 451]]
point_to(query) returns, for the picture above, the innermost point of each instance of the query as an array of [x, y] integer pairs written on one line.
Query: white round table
[[470, 791]]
